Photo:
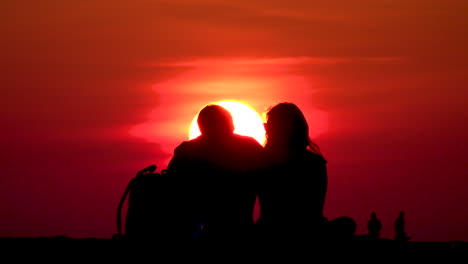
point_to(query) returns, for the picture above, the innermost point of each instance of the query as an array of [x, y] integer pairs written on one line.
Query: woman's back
[[293, 189]]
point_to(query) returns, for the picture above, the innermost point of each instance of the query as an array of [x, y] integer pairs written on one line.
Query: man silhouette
[[216, 176], [374, 225], [399, 225]]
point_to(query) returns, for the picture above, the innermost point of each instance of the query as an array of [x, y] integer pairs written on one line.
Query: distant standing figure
[[400, 233], [374, 226]]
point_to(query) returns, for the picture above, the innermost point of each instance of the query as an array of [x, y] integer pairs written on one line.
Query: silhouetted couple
[[220, 174]]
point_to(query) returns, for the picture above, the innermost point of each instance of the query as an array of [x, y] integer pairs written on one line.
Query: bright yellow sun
[[247, 121]]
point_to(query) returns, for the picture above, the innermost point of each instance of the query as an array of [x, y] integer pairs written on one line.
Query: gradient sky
[[93, 91]]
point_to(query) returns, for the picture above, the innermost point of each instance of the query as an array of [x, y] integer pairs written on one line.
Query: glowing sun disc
[[247, 121]]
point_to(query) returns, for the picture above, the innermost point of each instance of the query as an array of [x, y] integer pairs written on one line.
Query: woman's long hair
[[287, 128]]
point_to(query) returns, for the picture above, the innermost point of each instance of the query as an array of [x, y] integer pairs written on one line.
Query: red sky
[[93, 91]]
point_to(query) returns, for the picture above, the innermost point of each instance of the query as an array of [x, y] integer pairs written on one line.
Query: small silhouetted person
[[400, 233], [215, 178], [374, 225], [294, 186]]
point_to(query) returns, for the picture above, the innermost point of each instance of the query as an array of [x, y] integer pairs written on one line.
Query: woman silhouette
[[293, 190]]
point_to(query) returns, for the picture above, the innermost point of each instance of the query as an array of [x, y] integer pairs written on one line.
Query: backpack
[[149, 209]]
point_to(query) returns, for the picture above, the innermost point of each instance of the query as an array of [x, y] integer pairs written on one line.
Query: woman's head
[[287, 127]]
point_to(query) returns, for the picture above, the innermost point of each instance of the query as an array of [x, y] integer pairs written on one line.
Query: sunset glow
[[246, 121], [95, 91]]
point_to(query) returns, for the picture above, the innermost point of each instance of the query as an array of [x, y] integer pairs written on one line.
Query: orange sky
[[93, 91]]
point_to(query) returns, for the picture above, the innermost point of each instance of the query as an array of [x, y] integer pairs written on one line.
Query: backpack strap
[[121, 203], [131, 184]]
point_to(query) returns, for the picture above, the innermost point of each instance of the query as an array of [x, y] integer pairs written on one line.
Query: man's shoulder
[[187, 145], [247, 141]]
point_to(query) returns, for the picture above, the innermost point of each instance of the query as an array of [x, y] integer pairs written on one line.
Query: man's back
[[216, 178]]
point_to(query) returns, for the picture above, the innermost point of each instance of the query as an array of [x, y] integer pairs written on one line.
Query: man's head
[[215, 120]]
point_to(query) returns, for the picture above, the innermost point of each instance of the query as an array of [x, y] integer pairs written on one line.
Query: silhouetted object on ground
[[374, 226], [340, 229], [215, 178], [400, 233], [148, 212], [293, 189]]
